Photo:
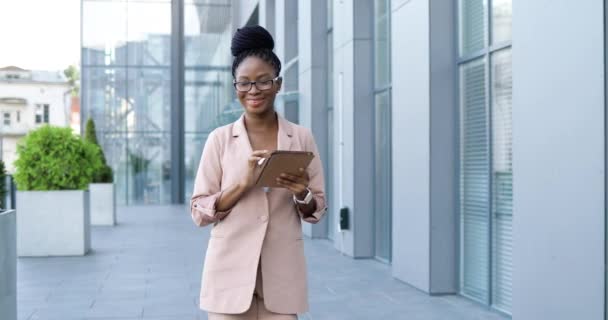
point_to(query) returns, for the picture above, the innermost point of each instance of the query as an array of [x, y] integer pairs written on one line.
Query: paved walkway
[[149, 267]]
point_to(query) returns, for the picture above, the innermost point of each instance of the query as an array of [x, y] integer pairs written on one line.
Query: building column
[[354, 124], [267, 16], [558, 160], [425, 147], [177, 102], [312, 105], [286, 48]]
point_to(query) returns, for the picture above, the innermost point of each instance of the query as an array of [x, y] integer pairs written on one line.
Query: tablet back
[[282, 162]]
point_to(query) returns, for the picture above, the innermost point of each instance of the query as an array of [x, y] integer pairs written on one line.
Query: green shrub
[[52, 158], [3, 189], [104, 175]]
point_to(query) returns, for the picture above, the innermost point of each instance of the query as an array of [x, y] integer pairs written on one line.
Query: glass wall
[[382, 98], [126, 88], [209, 96], [486, 188]]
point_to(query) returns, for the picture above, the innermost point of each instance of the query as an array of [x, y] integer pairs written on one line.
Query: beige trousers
[[257, 310]]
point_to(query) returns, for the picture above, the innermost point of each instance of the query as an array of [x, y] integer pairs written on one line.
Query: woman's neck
[[262, 122]]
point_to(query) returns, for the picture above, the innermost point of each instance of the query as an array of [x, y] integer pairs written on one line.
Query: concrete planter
[[8, 265], [103, 204], [53, 223]]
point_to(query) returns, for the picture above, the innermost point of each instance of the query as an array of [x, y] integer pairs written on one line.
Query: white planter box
[[53, 223], [8, 265], [103, 204]]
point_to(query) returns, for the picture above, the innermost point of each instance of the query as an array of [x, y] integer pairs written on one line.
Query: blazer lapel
[[240, 133], [285, 134]]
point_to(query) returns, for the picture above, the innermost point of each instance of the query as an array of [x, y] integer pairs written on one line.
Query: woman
[[255, 266]]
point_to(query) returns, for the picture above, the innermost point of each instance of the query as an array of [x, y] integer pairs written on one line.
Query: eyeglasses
[[245, 86]]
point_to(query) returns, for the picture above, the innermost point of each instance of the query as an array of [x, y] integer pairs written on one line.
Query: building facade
[[464, 141], [29, 99]]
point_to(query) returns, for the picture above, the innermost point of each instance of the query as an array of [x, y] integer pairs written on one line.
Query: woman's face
[[256, 101]]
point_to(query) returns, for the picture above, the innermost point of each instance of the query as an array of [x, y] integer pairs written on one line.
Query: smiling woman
[[255, 266], [255, 69]]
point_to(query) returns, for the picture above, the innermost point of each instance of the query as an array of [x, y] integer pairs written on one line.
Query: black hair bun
[[248, 38]]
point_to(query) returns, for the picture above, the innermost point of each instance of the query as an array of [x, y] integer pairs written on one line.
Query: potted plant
[[101, 189], [53, 171]]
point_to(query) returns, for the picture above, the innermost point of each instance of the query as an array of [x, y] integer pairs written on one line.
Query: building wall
[[243, 12], [559, 160], [53, 94], [9, 152], [312, 68], [558, 143], [411, 156], [424, 120], [354, 124]]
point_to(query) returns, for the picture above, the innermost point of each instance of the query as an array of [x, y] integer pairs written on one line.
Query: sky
[[40, 34]]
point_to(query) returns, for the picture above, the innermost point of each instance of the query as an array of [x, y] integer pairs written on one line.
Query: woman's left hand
[[297, 184]]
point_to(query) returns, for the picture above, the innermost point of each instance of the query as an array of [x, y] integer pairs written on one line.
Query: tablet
[[281, 161]]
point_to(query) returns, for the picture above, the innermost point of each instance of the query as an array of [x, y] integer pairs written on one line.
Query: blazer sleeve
[[207, 185], [317, 181]]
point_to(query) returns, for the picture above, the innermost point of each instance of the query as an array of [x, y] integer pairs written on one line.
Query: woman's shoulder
[[221, 134], [300, 131], [304, 135]]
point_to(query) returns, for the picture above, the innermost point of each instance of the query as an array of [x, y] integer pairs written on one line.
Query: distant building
[[29, 99]]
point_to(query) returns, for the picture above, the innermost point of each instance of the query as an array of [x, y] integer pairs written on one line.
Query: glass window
[[149, 100], [502, 175], [104, 32], [382, 135], [383, 176], [18, 116], [38, 113], [149, 167], [126, 89], [149, 34], [381, 44], [472, 26], [7, 119], [474, 188], [114, 144], [208, 94], [206, 29], [46, 113], [486, 172], [105, 98], [501, 21], [193, 151]]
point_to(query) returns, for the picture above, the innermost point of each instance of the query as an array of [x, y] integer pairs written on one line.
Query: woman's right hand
[[249, 180]]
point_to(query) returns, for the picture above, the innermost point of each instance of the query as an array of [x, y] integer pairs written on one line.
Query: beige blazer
[[263, 227]]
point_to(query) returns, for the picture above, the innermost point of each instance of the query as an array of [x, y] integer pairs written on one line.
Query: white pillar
[[425, 145], [312, 86], [353, 126], [558, 160]]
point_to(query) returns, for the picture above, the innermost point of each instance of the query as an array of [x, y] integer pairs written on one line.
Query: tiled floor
[[149, 267]]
